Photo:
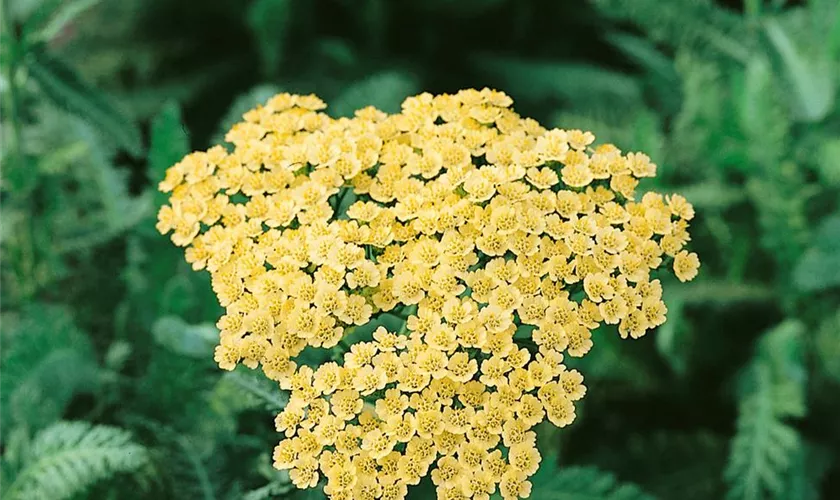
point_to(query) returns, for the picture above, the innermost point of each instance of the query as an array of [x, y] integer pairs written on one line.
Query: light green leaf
[[169, 142], [195, 341], [69, 457], [269, 21], [66, 89], [671, 341], [812, 81], [384, 91], [828, 346], [65, 12], [828, 161], [819, 267], [712, 195], [264, 390], [61, 159]]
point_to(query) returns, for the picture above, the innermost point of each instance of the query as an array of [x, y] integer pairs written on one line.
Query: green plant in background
[[737, 104]]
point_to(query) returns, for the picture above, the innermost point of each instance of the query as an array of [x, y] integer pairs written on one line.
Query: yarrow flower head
[[501, 246]]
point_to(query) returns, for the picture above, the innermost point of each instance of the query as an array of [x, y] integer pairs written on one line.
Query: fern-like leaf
[[765, 443], [580, 483], [696, 23], [68, 457]]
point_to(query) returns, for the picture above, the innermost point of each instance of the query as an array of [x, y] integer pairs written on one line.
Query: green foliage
[[67, 458], [104, 322]]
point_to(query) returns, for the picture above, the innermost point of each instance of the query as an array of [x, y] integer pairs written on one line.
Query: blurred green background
[[107, 386]]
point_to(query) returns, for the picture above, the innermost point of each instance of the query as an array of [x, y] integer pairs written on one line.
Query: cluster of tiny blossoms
[[501, 244]]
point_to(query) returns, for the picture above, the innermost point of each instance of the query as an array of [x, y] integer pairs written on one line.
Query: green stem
[[11, 97]]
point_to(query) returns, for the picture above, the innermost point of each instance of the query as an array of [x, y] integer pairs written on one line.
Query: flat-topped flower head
[[447, 258]]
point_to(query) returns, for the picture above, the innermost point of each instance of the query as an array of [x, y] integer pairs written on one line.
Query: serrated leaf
[[195, 341], [66, 89], [269, 21], [385, 91], [169, 142], [772, 392]]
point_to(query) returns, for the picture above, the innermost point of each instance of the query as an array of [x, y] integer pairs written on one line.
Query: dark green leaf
[[169, 142], [65, 88], [384, 91], [269, 21], [46, 361], [574, 83]]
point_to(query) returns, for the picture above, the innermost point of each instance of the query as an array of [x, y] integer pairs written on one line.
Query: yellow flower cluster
[[501, 244]]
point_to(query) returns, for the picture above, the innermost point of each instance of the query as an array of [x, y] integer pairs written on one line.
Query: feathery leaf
[[68, 457]]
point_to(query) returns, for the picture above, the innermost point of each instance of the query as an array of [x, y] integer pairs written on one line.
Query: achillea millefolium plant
[[497, 245]]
